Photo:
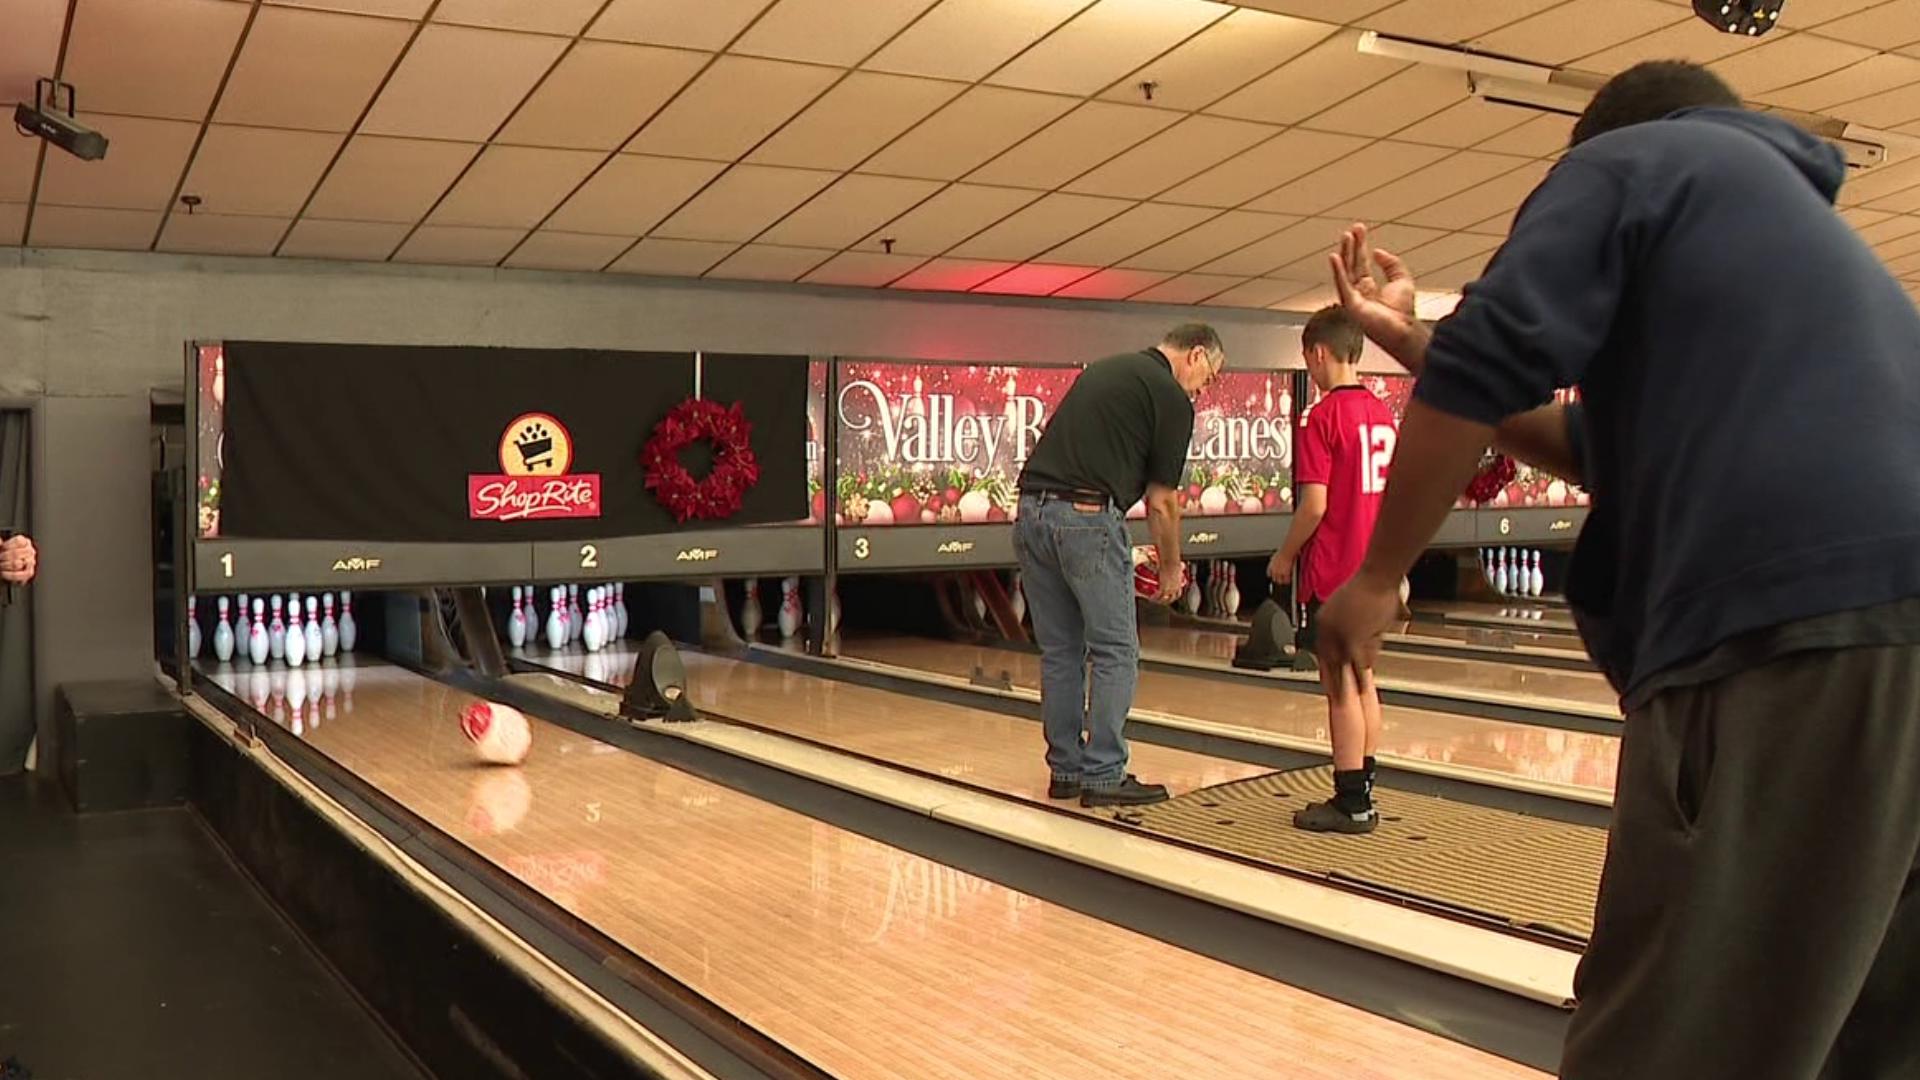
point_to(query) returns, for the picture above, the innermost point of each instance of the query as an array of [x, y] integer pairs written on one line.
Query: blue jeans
[[1077, 572]]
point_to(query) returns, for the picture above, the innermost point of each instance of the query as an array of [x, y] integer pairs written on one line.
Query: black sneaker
[[1304, 660], [1128, 792], [1326, 817], [1063, 789]]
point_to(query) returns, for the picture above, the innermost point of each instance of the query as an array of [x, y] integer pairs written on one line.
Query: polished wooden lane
[[1553, 643], [1516, 614], [1487, 680], [1501, 748], [869, 961]]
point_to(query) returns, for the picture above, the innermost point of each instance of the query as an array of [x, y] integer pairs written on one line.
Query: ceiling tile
[[708, 25], [92, 227], [1546, 133], [852, 208], [1884, 180], [1449, 21], [599, 95], [1465, 123], [1502, 194], [835, 32], [459, 245], [13, 224], [1887, 26], [869, 268], [1189, 147], [310, 69], [631, 194], [1314, 236], [19, 158], [1040, 226], [1319, 78], [1393, 236], [1570, 31], [514, 185], [366, 241], [1891, 228], [151, 57], [1859, 217], [953, 275], [1034, 279], [733, 105], [1311, 265], [1887, 110], [1363, 170], [1310, 300], [249, 170], [1327, 11], [1071, 145], [1874, 75], [1498, 225], [974, 127], [1828, 11], [1446, 251], [145, 161], [30, 48], [1258, 293], [966, 39], [768, 262], [1689, 39], [1434, 306], [457, 82], [1459, 275], [1114, 284], [1209, 240], [1394, 102], [548, 249], [565, 17], [1222, 58], [1276, 161], [384, 179], [222, 234], [743, 202], [864, 112], [1136, 230], [1105, 42], [950, 217], [672, 258], [1900, 202], [1438, 181], [1187, 289], [399, 9], [1785, 61]]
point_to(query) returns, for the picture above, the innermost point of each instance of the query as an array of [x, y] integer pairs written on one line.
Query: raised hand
[[1384, 306]]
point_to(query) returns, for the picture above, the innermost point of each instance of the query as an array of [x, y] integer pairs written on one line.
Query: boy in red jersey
[[1342, 472]]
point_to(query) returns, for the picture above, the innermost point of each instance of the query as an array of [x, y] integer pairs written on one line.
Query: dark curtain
[[16, 625]]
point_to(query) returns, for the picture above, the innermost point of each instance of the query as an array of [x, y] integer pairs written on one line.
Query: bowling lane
[[1517, 641], [1501, 748], [884, 964], [1516, 615], [1516, 684]]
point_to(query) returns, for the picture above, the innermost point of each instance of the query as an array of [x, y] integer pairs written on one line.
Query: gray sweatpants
[[1758, 915]]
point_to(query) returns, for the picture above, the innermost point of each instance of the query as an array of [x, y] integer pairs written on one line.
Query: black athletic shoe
[[1304, 660], [1128, 792], [1326, 817], [1063, 789]]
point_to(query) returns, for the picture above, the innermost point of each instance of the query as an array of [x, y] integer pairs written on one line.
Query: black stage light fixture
[[659, 687], [46, 119], [1748, 17]]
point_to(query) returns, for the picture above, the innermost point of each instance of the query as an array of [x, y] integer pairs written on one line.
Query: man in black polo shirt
[[1121, 431]]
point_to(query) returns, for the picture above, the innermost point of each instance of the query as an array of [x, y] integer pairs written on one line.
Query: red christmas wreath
[[1496, 472], [734, 468]]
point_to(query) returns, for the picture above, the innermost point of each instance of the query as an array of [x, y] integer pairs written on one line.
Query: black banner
[[454, 444]]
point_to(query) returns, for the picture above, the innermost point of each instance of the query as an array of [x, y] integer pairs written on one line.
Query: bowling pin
[[750, 613], [556, 619], [349, 630], [1191, 600], [277, 630], [590, 631], [789, 607], [1018, 599], [193, 627], [517, 622], [576, 624], [315, 642], [329, 630], [1233, 591], [1539, 576], [296, 635], [223, 634], [243, 608], [1500, 573], [620, 610], [833, 613], [258, 647]]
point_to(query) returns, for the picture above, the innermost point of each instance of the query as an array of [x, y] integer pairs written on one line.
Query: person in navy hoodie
[[1748, 578]]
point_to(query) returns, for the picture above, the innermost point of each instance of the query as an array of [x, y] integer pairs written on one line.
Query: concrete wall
[[88, 335]]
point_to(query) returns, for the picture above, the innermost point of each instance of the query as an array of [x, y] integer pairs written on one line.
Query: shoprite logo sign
[[533, 484]]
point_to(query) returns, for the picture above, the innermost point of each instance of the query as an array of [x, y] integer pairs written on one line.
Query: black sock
[[1350, 792], [1372, 769]]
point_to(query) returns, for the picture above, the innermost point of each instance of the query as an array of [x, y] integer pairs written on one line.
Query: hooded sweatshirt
[[1750, 377]]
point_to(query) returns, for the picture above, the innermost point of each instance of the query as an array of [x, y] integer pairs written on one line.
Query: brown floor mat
[[1526, 871]]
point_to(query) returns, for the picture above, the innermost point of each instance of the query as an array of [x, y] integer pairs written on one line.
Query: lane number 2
[[589, 557], [1376, 453]]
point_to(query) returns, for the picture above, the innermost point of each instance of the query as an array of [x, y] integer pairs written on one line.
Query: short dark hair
[[1333, 327], [1193, 335], [1650, 91]]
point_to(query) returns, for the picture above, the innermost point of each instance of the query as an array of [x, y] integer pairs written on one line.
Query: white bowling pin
[[751, 617], [1539, 577], [789, 607], [1500, 573], [590, 631], [577, 622], [620, 610], [223, 634], [1233, 591], [258, 648], [349, 630], [277, 630], [1190, 600], [243, 609], [517, 622], [833, 613], [1018, 599], [329, 630], [557, 619], [315, 641], [193, 627], [296, 634]]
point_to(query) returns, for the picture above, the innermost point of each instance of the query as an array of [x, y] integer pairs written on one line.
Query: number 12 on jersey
[[1376, 453]]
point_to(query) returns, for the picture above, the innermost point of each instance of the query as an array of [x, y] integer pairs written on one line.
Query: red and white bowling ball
[[1146, 573], [500, 735]]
